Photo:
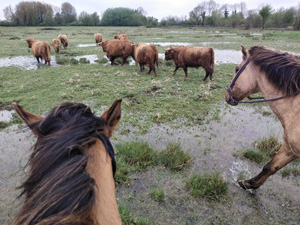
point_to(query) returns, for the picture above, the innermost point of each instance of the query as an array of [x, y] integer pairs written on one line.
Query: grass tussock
[[254, 156], [139, 155], [268, 146], [286, 172], [207, 186], [157, 195], [174, 158], [128, 218]]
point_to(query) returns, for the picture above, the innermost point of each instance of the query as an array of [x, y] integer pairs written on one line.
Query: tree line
[[206, 13]]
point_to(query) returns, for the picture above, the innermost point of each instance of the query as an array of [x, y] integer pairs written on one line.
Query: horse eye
[[236, 69]]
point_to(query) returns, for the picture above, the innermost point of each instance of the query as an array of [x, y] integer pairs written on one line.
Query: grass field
[[188, 114]]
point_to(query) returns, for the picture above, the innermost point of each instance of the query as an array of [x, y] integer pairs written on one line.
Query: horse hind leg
[[281, 159]]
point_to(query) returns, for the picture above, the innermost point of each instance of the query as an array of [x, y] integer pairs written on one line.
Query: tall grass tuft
[[207, 186], [157, 195], [174, 158], [268, 146], [255, 156], [137, 154], [128, 218]]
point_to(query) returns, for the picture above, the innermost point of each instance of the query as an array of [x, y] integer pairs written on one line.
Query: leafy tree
[[121, 17], [68, 13], [265, 13], [197, 15]]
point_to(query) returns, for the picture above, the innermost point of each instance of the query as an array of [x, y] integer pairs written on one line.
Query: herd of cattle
[[143, 54]]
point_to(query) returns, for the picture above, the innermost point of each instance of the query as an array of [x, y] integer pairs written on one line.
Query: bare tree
[[198, 13]]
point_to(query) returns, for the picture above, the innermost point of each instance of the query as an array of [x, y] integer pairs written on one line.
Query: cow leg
[[38, 59], [206, 76], [281, 159], [124, 61], [176, 68], [185, 71], [211, 77], [153, 68], [141, 67]]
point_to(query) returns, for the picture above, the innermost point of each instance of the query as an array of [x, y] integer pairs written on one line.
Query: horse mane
[[58, 190], [281, 68]]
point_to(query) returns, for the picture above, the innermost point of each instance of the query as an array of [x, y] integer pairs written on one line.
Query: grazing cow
[[98, 38], [56, 44], [121, 37], [63, 39], [40, 49], [146, 55], [185, 57], [117, 48]]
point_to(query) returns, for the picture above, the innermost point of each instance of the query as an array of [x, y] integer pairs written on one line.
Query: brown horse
[[276, 75], [71, 167]]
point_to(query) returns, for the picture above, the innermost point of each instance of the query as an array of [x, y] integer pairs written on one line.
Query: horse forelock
[[58, 185], [281, 68]]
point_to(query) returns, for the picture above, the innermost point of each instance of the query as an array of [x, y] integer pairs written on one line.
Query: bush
[[208, 186]]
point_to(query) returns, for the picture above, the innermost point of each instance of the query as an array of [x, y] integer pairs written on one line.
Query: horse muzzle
[[229, 99]]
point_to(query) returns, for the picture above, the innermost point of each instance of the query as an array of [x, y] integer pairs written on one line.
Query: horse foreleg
[[281, 159]]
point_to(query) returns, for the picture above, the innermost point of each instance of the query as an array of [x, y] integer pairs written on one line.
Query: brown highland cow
[[98, 38], [188, 56], [63, 39], [121, 37], [40, 49], [56, 44]]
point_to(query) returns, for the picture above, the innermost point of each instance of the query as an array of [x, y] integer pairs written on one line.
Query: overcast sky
[[155, 8]]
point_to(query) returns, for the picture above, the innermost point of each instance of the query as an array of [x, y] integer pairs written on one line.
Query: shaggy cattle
[[56, 44], [185, 57], [121, 37], [63, 39], [117, 48], [146, 55], [40, 49], [98, 38]]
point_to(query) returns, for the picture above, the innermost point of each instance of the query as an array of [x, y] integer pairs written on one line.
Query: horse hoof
[[242, 184]]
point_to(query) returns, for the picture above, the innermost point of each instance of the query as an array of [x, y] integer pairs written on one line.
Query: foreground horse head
[[71, 167], [276, 75]]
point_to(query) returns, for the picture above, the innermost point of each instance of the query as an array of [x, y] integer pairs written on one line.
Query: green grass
[[157, 195], [128, 218], [286, 172], [207, 186], [254, 156], [268, 146], [174, 158], [137, 154]]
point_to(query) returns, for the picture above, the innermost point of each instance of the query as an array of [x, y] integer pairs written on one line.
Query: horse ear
[[245, 52], [28, 117], [113, 114]]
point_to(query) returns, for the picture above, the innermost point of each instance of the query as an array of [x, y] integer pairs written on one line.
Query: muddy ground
[[214, 146]]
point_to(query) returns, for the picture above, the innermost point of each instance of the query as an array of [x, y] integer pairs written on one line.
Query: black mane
[[281, 68], [58, 188]]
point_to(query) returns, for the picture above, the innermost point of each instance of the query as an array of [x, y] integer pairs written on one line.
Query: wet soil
[[214, 146]]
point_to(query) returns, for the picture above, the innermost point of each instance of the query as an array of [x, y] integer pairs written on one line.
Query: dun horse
[[71, 167], [276, 75]]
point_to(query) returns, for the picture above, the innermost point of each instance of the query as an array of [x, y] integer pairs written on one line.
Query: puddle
[[228, 56], [25, 62], [92, 58], [86, 45], [6, 116], [167, 44], [212, 147], [256, 34]]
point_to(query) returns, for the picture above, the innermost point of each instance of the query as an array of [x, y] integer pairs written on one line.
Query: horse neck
[[105, 209], [281, 108]]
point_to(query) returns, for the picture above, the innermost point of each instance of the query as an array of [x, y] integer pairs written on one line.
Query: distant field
[[156, 110]]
